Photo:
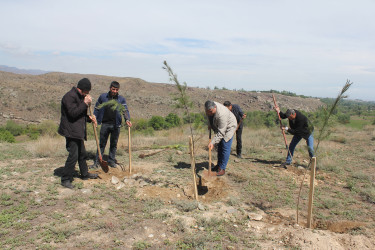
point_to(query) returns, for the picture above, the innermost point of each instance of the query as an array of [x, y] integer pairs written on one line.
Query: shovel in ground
[[209, 173], [103, 164]]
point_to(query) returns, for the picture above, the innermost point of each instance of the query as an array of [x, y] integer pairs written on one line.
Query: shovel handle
[[278, 114], [96, 136]]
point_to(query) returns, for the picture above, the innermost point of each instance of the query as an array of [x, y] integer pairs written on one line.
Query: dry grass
[[160, 138], [47, 146], [36, 211]]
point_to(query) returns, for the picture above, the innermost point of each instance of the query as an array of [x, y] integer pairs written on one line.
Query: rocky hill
[[33, 98]]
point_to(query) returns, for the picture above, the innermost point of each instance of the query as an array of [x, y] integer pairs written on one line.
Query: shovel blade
[[104, 166]]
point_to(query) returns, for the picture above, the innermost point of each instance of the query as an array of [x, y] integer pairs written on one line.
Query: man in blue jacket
[[111, 121], [240, 115]]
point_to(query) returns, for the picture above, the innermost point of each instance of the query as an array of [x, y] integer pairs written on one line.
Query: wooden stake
[[209, 156], [130, 151], [193, 167], [311, 194]]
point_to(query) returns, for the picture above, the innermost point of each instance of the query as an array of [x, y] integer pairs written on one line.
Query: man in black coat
[[240, 115], [300, 127], [73, 126]]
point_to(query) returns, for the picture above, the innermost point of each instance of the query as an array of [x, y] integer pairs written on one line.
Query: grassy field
[[252, 207]]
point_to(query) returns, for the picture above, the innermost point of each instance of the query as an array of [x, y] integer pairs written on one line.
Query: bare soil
[[252, 206]]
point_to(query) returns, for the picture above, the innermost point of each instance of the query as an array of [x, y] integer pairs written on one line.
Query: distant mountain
[[22, 71]]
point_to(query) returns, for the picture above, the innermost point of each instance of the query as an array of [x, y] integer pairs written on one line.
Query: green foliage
[[141, 245], [141, 124], [257, 119], [157, 123], [352, 107], [343, 118], [47, 127], [114, 105], [195, 118], [173, 120], [183, 100], [324, 130], [6, 136], [182, 97], [14, 128], [358, 123]]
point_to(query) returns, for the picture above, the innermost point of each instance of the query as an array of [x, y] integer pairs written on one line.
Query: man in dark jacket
[[111, 122], [73, 126], [300, 127], [237, 111]]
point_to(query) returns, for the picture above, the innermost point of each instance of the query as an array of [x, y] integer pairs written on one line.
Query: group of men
[[74, 116], [224, 119]]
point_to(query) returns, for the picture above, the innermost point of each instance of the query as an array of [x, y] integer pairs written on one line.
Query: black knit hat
[[84, 84]]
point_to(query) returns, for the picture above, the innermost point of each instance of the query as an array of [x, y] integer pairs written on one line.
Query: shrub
[[14, 128], [270, 119], [343, 118], [6, 136], [141, 124], [33, 131], [157, 123], [196, 118], [173, 120], [49, 128]]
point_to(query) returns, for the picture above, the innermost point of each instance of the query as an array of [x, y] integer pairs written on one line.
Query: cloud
[[284, 45]]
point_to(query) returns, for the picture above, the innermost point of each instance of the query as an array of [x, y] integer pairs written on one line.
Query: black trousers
[[77, 152], [239, 140]]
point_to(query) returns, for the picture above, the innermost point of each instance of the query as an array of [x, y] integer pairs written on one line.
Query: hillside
[[33, 98]]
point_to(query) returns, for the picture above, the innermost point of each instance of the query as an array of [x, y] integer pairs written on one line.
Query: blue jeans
[[293, 144], [223, 153], [106, 130]]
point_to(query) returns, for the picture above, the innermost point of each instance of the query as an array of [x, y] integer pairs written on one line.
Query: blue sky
[[306, 47]]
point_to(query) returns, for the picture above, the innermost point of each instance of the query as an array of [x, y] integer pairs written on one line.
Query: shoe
[[112, 164], [239, 156], [94, 166], [215, 169], [221, 172], [89, 176], [67, 184]]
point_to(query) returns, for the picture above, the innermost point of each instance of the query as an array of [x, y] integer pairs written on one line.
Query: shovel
[[209, 173], [281, 124], [103, 164]]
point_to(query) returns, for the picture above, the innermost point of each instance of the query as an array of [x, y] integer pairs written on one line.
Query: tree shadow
[[202, 190], [198, 166], [270, 162], [182, 165]]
